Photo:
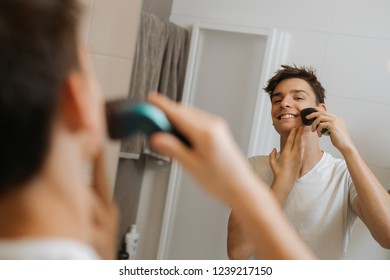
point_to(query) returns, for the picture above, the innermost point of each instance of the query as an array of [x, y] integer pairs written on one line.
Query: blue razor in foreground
[[125, 118]]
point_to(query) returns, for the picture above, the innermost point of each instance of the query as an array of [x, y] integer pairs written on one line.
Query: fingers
[[188, 121], [322, 125], [294, 139], [323, 121], [171, 146], [272, 156], [291, 139]]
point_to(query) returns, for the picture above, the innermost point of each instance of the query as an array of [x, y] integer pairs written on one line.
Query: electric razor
[[125, 118], [307, 111]]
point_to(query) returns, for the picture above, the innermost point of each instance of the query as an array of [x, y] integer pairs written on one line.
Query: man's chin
[[285, 130]]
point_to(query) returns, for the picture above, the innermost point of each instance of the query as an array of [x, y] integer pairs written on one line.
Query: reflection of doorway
[[226, 70]]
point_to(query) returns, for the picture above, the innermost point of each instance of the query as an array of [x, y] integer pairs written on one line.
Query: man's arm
[[239, 246], [372, 203]]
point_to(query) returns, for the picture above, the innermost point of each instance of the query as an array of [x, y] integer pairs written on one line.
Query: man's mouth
[[287, 116]]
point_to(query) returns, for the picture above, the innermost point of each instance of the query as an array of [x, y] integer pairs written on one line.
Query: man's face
[[290, 96]]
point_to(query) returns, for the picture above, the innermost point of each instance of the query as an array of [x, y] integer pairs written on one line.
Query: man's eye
[[276, 101]]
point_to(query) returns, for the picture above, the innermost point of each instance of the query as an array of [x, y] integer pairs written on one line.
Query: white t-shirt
[[320, 204], [45, 249]]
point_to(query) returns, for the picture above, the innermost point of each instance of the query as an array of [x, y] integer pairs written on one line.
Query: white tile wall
[[362, 17], [87, 6], [111, 26], [301, 39], [186, 21], [109, 29], [307, 14], [367, 123], [113, 74], [357, 67], [198, 8]]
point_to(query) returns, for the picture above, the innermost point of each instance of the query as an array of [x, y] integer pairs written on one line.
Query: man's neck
[[312, 152], [55, 203]]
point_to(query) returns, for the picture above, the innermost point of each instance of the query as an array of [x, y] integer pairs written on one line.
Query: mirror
[[351, 57]]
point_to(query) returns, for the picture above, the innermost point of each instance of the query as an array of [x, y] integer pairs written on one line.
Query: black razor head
[[305, 112]]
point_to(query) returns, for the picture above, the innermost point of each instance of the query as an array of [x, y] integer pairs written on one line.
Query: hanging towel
[[159, 65]]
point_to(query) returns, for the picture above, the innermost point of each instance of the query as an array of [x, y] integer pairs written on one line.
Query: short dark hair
[[305, 73], [38, 49]]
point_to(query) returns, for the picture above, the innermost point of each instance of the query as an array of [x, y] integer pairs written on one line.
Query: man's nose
[[285, 103]]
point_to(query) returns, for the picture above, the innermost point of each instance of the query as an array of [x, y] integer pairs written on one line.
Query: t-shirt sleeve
[[351, 196]]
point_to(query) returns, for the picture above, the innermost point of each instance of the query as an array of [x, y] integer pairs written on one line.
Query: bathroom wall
[[160, 8], [109, 30], [348, 42]]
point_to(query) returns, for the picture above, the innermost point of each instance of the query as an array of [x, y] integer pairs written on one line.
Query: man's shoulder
[[259, 159], [334, 161], [260, 165]]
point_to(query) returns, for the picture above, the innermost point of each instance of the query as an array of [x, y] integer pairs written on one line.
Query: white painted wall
[[109, 30], [348, 42]]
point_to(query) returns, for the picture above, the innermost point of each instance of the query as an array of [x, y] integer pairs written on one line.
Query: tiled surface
[[109, 29], [161, 8], [357, 68], [298, 40], [362, 17], [367, 123], [112, 26], [113, 74], [87, 6], [184, 21], [198, 8], [307, 14]]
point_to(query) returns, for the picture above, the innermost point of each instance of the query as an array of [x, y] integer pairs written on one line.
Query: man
[[321, 195], [51, 118], [52, 123]]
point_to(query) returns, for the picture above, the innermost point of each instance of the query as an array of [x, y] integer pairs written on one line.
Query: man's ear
[[321, 107], [74, 102]]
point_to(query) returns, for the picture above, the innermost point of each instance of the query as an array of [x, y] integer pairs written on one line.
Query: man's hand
[[339, 134], [286, 167]]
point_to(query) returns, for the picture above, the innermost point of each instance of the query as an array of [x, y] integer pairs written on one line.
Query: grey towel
[[159, 65]]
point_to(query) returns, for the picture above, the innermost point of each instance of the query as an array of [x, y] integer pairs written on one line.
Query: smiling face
[[289, 97]]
